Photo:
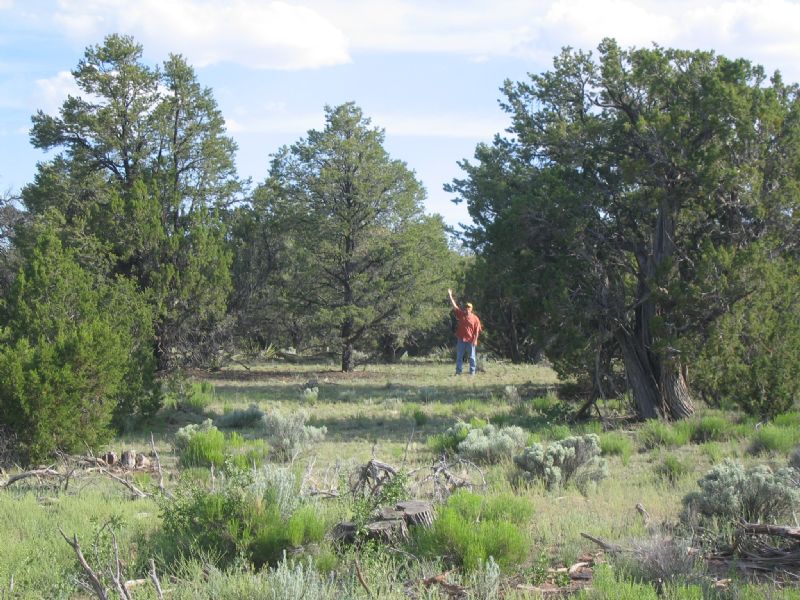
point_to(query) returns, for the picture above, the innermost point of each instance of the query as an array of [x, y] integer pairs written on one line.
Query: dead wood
[[94, 580], [792, 533], [38, 473], [361, 579], [156, 582], [607, 546]]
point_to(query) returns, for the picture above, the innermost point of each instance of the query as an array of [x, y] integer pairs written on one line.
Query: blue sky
[[427, 71]]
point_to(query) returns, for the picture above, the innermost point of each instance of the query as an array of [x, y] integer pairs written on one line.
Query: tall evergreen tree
[[145, 175], [361, 259]]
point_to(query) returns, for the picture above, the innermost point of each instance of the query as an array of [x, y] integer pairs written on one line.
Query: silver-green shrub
[[310, 395], [278, 484], [575, 459], [288, 434], [729, 492], [490, 444], [293, 581], [240, 418]]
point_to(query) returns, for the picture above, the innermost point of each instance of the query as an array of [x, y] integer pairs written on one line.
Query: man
[[467, 332]]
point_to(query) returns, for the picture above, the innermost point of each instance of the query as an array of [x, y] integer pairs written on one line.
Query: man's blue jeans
[[461, 349]]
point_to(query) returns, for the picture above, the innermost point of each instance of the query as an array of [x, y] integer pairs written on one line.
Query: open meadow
[[261, 465]]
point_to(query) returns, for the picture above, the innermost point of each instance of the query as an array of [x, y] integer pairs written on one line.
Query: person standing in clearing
[[467, 332]]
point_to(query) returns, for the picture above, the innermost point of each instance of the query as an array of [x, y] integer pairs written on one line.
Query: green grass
[[616, 444], [774, 438], [390, 412]]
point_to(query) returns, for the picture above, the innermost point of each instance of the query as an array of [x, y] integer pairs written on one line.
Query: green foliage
[[67, 356], [490, 444], [471, 528], [657, 434], [190, 396], [584, 239], [352, 234], [574, 459], [671, 469], [616, 444], [241, 517], [203, 445], [204, 449], [310, 395], [289, 435], [608, 585], [729, 493], [750, 359], [447, 442], [774, 438], [241, 418], [710, 428], [145, 170]]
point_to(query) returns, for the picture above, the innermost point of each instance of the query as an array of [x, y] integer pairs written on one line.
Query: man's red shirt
[[469, 326]]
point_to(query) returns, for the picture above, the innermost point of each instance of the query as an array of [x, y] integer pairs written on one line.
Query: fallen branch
[[361, 579], [607, 546], [94, 580], [776, 530], [134, 490], [48, 472]]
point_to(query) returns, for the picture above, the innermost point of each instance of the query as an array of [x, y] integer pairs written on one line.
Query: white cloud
[[6, 4], [257, 34], [51, 93], [277, 118], [449, 125]]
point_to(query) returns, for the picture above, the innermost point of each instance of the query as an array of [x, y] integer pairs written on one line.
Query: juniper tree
[[624, 205]]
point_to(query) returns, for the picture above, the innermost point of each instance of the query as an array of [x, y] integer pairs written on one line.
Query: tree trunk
[[641, 381], [675, 397], [347, 345], [659, 387]]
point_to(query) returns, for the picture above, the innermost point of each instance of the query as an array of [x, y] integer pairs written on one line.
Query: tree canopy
[[626, 204], [361, 260]]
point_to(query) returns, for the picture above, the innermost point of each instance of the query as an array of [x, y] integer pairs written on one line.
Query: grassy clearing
[[396, 414]]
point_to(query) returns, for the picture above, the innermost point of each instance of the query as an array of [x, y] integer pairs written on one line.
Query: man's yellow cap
[[469, 304]]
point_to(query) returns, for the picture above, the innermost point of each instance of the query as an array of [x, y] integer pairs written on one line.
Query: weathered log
[[776, 530], [48, 472]]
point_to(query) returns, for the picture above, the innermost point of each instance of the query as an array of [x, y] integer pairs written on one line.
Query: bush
[[70, 355], [447, 442], [241, 418], [203, 445], [774, 438], [574, 459], [490, 444], [240, 517], [204, 448], [616, 444], [310, 395], [710, 428], [671, 469], [729, 493], [289, 435], [751, 356], [472, 528], [190, 396], [657, 434]]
